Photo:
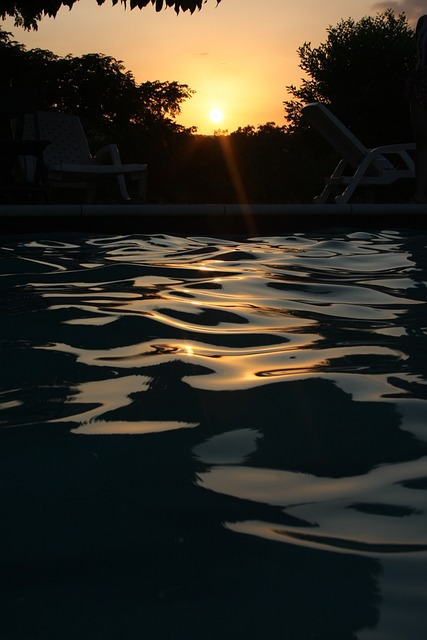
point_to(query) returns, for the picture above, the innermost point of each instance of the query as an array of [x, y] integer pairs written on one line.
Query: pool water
[[214, 438]]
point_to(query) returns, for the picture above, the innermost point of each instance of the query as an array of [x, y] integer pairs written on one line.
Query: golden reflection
[[153, 281], [11, 404], [330, 507], [121, 427], [189, 350], [302, 537], [93, 295], [380, 543], [98, 321], [50, 265], [232, 368], [106, 395]]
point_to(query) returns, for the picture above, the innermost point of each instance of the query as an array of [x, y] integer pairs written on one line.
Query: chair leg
[[323, 197], [123, 188], [141, 194], [329, 186], [356, 180]]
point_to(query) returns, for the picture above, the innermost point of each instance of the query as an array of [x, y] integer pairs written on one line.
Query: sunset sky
[[238, 56]]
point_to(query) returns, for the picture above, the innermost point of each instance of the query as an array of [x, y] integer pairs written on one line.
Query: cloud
[[413, 9]]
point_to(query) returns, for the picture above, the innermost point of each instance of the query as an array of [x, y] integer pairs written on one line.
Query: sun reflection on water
[[285, 358]]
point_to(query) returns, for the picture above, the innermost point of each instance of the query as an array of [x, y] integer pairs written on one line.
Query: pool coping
[[213, 218]]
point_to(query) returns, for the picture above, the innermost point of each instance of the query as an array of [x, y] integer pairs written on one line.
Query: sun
[[216, 115]]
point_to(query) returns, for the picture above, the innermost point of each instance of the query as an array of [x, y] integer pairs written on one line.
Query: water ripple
[[259, 348]]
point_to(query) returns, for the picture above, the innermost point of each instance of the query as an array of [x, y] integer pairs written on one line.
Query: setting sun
[[216, 115]]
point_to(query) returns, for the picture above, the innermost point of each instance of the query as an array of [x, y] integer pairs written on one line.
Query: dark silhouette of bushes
[[359, 71]]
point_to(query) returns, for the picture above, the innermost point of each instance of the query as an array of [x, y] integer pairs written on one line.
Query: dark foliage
[[236, 168], [249, 165], [360, 71], [27, 13], [265, 164]]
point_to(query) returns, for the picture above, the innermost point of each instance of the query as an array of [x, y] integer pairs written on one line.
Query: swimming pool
[[214, 437]]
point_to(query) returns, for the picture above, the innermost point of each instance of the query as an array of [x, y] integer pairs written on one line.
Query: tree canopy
[[360, 71], [27, 13], [95, 87]]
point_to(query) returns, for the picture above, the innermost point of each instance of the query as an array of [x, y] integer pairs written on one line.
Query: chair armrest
[[400, 150], [397, 148], [377, 158], [109, 152]]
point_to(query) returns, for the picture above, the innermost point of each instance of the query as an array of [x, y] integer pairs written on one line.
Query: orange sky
[[238, 55]]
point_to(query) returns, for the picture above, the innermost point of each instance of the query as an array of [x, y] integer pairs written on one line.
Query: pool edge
[[206, 218]]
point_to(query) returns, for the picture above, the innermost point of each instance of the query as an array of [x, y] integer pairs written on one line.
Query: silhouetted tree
[[112, 106], [267, 164], [27, 13], [95, 87], [360, 71]]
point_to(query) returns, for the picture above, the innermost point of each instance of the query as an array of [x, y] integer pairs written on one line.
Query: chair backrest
[[339, 137], [17, 104], [68, 142]]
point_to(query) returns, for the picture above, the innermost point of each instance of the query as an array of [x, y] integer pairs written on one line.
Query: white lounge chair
[[358, 165], [70, 163], [17, 105]]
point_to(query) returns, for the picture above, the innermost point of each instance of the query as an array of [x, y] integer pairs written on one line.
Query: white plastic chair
[[17, 106], [358, 165], [70, 163]]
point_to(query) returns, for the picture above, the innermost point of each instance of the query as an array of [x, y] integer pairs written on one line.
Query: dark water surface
[[204, 438]]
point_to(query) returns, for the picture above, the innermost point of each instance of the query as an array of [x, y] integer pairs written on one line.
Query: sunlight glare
[[216, 115]]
